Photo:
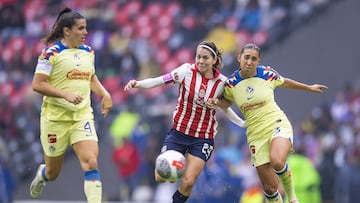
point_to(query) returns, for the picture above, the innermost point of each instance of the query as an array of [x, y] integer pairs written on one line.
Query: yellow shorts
[[260, 148], [56, 136]]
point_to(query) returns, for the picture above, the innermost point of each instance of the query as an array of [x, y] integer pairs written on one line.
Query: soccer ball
[[170, 165]]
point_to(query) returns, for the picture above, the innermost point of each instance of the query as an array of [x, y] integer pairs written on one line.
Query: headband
[[209, 48]]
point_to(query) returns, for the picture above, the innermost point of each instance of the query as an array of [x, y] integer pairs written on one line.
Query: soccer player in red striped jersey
[[194, 124]]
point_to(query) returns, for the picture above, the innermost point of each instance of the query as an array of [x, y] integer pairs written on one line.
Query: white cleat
[[37, 185]]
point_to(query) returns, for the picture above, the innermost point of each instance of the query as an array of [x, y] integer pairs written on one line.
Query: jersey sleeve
[[177, 75], [46, 59], [44, 67], [273, 77], [228, 88], [228, 94]]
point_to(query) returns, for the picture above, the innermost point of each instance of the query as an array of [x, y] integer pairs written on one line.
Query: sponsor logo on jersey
[[76, 74]]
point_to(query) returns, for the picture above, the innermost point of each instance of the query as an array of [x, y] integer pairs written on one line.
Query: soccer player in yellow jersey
[[269, 132], [65, 76]]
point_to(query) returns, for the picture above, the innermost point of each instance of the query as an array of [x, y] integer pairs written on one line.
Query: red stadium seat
[[185, 55], [242, 37], [260, 38], [162, 54], [111, 83], [154, 9], [169, 65]]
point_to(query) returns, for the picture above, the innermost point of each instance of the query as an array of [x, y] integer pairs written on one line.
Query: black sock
[[178, 197]]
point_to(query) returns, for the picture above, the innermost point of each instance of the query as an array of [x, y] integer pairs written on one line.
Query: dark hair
[[66, 18], [250, 46], [213, 49]]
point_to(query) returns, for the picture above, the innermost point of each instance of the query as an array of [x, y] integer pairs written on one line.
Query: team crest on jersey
[[176, 76], [201, 94], [249, 89], [52, 148], [200, 99], [77, 59]]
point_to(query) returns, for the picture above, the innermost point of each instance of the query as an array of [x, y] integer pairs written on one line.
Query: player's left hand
[[318, 88], [106, 105]]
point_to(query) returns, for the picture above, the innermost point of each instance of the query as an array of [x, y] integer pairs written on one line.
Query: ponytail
[[66, 18]]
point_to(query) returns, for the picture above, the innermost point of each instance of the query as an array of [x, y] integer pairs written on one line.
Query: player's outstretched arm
[[293, 84], [145, 84]]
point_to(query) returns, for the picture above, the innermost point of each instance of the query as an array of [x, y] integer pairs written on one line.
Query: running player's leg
[[279, 150], [45, 172], [84, 141], [194, 166], [54, 142], [270, 183], [87, 152], [53, 167]]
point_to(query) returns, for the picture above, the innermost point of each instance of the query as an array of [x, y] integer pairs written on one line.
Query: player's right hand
[[130, 84], [212, 103]]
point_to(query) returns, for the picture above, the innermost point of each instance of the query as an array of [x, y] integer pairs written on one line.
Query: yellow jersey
[[255, 98], [70, 70]]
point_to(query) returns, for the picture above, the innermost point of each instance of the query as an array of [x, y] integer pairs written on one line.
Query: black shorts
[[199, 147]]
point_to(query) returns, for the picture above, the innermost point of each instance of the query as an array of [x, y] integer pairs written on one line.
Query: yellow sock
[[93, 191], [287, 182]]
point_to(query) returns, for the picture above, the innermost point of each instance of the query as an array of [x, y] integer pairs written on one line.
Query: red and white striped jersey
[[191, 115]]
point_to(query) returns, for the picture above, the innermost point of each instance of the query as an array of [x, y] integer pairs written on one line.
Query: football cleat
[[37, 185]]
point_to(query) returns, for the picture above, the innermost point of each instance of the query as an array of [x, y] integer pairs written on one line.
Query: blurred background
[[312, 41]]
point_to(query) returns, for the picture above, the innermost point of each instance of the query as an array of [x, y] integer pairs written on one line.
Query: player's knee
[[277, 163], [187, 183], [270, 189]]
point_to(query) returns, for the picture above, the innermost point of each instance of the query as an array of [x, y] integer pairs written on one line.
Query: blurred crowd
[[143, 38]]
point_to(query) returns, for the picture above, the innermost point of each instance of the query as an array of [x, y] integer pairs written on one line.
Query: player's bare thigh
[[279, 149]]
